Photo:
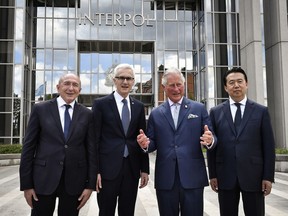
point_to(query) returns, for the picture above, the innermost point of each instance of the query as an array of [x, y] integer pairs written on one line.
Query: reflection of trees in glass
[[146, 87], [16, 115], [109, 75], [189, 83]]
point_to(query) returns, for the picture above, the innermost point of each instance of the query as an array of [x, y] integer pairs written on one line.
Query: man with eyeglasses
[[118, 118], [59, 155]]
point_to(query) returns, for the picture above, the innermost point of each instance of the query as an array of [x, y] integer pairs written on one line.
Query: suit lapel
[[115, 111], [166, 110], [76, 115], [183, 111], [249, 107], [133, 112], [227, 113], [56, 116]]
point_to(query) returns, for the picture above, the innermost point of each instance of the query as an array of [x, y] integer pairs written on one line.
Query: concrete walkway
[[12, 202]]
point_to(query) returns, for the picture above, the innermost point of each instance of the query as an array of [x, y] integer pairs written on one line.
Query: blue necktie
[[125, 122], [237, 120], [67, 121]]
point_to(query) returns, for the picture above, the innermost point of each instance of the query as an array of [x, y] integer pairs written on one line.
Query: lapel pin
[[186, 106]]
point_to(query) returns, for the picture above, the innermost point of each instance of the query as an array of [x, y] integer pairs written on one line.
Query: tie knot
[[67, 106], [238, 105], [176, 105], [124, 101]]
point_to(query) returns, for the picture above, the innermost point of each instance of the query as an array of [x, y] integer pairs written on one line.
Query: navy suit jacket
[[248, 156], [111, 138], [179, 146], [46, 154]]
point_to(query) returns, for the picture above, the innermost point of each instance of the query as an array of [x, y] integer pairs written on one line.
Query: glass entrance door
[[97, 59]]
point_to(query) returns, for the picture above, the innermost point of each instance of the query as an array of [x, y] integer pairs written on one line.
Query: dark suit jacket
[[111, 139], [45, 152], [249, 156], [181, 145]]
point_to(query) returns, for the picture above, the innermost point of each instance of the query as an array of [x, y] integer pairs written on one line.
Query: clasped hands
[[206, 138]]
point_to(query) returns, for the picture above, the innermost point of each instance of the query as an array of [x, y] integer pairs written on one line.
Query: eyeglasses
[[123, 78]]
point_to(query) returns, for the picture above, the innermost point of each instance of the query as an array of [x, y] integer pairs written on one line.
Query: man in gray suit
[[59, 155], [244, 159], [176, 129]]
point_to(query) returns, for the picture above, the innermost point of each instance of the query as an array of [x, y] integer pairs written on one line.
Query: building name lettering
[[115, 19]]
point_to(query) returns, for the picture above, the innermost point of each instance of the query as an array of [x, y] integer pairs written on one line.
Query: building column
[[276, 49], [251, 47]]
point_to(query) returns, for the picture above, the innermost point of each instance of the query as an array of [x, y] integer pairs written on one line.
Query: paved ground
[[12, 202]]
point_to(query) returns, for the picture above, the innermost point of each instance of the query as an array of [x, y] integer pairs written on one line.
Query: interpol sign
[[115, 19]]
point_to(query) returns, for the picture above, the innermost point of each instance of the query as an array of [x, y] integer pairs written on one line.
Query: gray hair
[[123, 66], [172, 71]]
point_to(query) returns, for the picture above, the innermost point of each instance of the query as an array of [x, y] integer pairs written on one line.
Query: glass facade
[[90, 37], [40, 40], [222, 45]]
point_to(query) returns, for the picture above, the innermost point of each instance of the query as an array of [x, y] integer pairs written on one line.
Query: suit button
[[61, 163], [65, 146]]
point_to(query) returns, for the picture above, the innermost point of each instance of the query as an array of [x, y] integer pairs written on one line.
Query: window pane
[[5, 126], [7, 23], [6, 73], [6, 52]]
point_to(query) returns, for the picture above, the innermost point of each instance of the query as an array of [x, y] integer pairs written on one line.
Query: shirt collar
[[61, 102], [171, 103], [242, 102], [119, 98]]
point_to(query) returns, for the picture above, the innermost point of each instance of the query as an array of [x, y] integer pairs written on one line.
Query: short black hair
[[234, 70]]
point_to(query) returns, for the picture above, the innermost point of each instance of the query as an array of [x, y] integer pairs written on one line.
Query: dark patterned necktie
[[67, 120], [125, 122], [237, 120]]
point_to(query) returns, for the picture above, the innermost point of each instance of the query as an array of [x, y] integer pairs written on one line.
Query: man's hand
[[144, 179], [29, 194], [98, 183], [143, 140], [84, 197], [207, 137], [214, 184], [266, 187]]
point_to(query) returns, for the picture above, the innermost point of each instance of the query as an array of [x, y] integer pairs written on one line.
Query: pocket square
[[191, 116]]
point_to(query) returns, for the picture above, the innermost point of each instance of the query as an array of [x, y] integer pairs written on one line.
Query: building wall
[[88, 38]]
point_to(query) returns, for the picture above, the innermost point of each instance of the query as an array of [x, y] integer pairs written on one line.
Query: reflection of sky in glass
[[19, 24], [60, 60], [100, 83], [85, 63], [20, 3], [85, 83], [39, 80], [171, 59], [17, 79], [18, 52], [60, 33], [57, 36]]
